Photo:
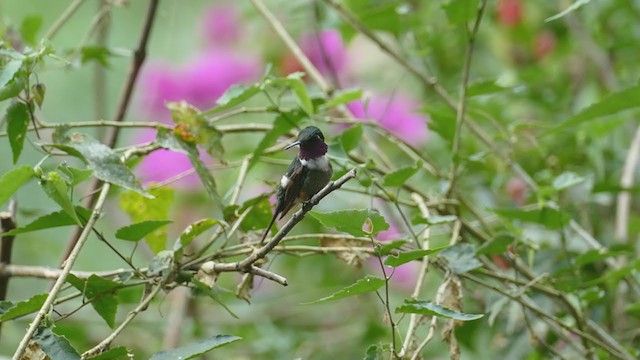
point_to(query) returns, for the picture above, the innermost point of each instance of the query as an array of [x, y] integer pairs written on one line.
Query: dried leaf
[[353, 257]]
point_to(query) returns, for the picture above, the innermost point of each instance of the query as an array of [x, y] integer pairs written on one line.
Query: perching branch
[[245, 265]]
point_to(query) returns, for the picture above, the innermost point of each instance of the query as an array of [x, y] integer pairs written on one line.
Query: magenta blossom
[[397, 113], [160, 83], [404, 275], [211, 73], [220, 24], [325, 50]]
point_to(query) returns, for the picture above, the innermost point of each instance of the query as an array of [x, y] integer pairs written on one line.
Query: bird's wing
[[289, 190]]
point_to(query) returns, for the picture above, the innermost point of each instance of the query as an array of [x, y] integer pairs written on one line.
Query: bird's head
[[311, 142]]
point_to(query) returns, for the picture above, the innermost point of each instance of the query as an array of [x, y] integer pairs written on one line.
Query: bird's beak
[[295, 143]]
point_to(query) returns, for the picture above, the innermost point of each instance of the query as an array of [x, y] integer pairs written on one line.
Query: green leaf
[[18, 122], [460, 11], [141, 208], [442, 122], [37, 93], [374, 352], [573, 7], [432, 309], [99, 54], [58, 191], [408, 256], [54, 345], [367, 284], [49, 221], [551, 218], [137, 231], [192, 231], [609, 105], [379, 15], [461, 258], [400, 176], [13, 88], [167, 140], [101, 293], [497, 245], [387, 248], [25, 307], [259, 216], [484, 87], [614, 275], [116, 353], [8, 71], [352, 221], [235, 95], [342, 97], [74, 176], [29, 28], [296, 84], [566, 180], [350, 138], [282, 125], [193, 126], [195, 349], [104, 162], [12, 180]]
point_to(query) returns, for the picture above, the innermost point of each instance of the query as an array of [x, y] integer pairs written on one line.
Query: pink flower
[[325, 50], [210, 74], [404, 275], [159, 83], [220, 24], [397, 113]]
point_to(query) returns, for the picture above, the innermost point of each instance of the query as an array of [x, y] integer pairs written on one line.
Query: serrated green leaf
[[551, 218], [99, 54], [54, 345], [461, 258], [300, 91], [442, 122], [29, 28], [378, 15], [350, 138], [137, 231], [408, 256], [12, 88], [141, 209], [374, 352], [105, 163], [460, 11], [259, 216], [18, 122], [351, 221], [433, 309], [282, 125], [192, 231], [74, 176], [9, 70], [195, 349], [367, 284], [400, 176], [498, 245], [25, 307], [116, 353], [101, 293], [342, 97], [12, 180], [387, 248], [235, 95], [566, 180], [167, 140], [49, 221], [58, 191], [609, 105]]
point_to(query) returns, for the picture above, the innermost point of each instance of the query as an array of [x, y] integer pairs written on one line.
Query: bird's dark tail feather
[[266, 232]]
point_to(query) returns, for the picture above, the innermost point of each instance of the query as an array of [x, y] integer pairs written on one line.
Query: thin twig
[[66, 15], [68, 264]]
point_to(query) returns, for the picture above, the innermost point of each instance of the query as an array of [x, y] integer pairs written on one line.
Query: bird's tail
[[266, 232]]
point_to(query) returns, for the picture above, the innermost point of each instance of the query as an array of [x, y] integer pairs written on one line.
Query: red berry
[[510, 12], [544, 43]]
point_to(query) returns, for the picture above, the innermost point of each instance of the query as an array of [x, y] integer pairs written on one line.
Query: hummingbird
[[308, 173]]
